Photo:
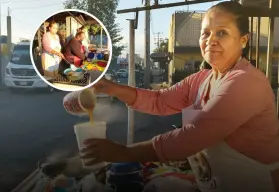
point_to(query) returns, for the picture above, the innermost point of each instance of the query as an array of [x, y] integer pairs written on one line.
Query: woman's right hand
[[61, 55]]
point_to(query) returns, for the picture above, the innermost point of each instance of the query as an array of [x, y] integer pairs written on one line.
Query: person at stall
[[51, 55], [80, 29], [73, 50], [230, 131]]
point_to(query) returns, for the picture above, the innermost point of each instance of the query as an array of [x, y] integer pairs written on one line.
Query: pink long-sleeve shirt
[[242, 112]]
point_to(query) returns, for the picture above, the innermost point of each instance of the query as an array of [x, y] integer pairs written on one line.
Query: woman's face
[[220, 41], [53, 29]]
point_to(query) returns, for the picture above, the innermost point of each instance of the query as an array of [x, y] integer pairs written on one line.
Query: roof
[[81, 17]]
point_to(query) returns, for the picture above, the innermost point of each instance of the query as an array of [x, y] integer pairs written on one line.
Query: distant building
[[184, 33], [122, 62]]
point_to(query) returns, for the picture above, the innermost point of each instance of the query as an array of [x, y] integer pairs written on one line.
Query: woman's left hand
[[99, 150]]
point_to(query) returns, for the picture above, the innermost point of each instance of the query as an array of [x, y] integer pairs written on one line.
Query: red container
[[102, 63]]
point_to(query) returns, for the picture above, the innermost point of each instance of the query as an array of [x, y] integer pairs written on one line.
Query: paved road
[[35, 126]]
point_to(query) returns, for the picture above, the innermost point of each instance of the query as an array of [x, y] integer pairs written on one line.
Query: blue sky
[[28, 14]]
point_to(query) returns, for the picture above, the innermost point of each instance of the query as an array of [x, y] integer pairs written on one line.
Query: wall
[[264, 28], [188, 29], [182, 59], [71, 26], [185, 31]]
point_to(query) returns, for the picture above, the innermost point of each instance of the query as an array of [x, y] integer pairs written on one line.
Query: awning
[[80, 17]]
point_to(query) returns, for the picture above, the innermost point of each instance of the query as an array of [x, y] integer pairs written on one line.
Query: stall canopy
[[80, 17]]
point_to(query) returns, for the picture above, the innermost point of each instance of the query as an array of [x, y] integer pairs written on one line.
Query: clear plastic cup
[[87, 130], [78, 102]]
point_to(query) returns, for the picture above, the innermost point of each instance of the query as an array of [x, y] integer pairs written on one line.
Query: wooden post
[[270, 45], [251, 40], [258, 42], [131, 81]]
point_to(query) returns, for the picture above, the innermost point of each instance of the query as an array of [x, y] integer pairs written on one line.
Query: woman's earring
[[243, 46]]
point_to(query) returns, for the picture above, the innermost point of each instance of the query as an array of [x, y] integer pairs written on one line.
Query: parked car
[[138, 79], [112, 76], [20, 73], [122, 73]]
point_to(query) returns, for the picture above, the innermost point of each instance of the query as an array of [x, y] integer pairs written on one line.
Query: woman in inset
[[230, 131], [52, 55]]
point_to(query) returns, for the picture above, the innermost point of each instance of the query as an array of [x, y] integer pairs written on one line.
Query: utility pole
[[131, 81], [147, 47], [1, 67], [158, 39], [9, 33], [270, 45]]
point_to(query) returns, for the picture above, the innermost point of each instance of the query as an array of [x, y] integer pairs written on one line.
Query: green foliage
[[163, 47], [95, 29], [105, 11]]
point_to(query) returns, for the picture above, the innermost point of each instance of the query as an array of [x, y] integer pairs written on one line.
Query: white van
[[20, 73]]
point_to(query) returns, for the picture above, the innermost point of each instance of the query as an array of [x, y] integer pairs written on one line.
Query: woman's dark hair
[[79, 33], [241, 18], [51, 24]]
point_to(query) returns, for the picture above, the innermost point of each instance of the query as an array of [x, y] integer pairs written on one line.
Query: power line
[[159, 39], [40, 6]]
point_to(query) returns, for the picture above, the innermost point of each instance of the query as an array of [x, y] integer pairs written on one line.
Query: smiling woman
[[224, 36], [230, 126]]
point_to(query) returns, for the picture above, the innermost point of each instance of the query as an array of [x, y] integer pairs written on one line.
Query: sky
[[27, 15]]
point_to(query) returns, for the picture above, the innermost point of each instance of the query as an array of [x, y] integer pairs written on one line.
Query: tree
[[105, 11], [163, 47]]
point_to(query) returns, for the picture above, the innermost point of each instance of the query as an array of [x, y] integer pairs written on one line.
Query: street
[[35, 126]]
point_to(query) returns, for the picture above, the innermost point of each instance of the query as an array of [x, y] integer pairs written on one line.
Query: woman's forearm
[[124, 93], [142, 152]]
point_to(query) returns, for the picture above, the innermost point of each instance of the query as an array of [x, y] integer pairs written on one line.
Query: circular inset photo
[[71, 50]]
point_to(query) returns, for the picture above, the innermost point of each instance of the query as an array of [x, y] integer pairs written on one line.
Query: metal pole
[[101, 38], [1, 67], [277, 87], [270, 45], [9, 33], [251, 40], [147, 48], [131, 81], [258, 43]]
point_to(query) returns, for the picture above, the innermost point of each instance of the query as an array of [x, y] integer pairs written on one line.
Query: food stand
[[182, 173], [98, 47]]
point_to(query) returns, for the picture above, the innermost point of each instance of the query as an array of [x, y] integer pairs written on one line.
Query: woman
[[204, 65], [52, 55], [230, 127]]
